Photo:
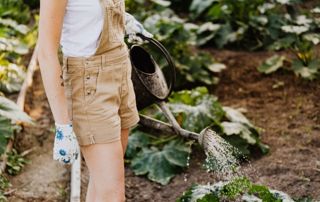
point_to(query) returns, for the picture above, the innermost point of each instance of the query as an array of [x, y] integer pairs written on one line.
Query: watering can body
[[149, 82]]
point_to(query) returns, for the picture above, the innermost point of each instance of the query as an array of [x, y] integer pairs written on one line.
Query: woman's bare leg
[[106, 168], [90, 191]]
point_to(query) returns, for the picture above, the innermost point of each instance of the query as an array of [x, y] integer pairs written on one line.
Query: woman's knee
[[106, 166]]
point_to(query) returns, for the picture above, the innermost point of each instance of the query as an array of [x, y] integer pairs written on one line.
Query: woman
[[91, 95]]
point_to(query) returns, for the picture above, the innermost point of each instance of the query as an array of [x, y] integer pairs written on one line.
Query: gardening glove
[[65, 149], [133, 27]]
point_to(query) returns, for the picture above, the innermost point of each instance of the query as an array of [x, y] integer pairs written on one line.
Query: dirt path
[[289, 113], [42, 179]]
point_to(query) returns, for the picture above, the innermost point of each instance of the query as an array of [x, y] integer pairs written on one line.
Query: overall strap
[[112, 34]]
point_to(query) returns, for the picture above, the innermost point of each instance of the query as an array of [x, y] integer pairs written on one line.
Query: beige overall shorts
[[99, 89]]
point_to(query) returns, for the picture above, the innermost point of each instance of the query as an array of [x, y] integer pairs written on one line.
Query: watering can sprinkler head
[[205, 135]]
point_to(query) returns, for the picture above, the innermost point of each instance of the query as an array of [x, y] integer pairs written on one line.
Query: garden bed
[[285, 106]]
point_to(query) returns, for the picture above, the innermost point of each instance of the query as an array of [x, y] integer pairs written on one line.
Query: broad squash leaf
[[11, 111], [234, 128], [162, 164], [309, 71], [195, 109], [12, 77], [199, 6], [236, 116], [137, 140], [272, 64]]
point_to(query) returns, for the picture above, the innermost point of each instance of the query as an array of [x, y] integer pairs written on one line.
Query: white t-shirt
[[82, 25]]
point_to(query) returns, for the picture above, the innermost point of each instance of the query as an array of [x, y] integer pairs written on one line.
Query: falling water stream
[[220, 156]]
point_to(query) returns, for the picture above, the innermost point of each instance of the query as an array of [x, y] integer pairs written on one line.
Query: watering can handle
[[168, 58]]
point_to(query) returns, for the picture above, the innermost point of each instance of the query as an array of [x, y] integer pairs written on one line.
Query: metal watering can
[[148, 79], [151, 87]]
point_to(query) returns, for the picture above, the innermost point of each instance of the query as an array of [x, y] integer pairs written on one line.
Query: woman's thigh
[[106, 167]]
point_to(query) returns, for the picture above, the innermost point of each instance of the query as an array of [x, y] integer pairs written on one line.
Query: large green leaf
[[137, 140], [195, 118], [11, 111], [272, 64], [195, 109], [206, 32], [23, 29], [239, 125], [12, 77], [162, 164], [6, 131], [236, 116], [13, 45], [309, 71], [198, 6], [234, 128]]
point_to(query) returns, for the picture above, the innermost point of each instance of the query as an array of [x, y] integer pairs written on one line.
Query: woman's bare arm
[[50, 25]]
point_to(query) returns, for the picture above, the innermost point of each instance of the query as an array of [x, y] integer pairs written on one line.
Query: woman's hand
[[133, 27], [65, 149]]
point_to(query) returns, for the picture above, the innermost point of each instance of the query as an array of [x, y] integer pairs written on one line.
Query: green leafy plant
[[239, 188], [9, 111], [304, 65], [161, 165], [11, 77], [4, 184], [158, 157], [250, 24], [15, 9], [16, 40], [162, 156], [196, 109], [272, 64], [15, 162]]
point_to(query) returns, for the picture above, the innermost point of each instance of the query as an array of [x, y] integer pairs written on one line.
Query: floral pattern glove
[[133, 27], [66, 148]]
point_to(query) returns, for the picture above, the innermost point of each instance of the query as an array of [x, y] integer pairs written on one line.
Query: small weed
[[4, 184], [15, 162]]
